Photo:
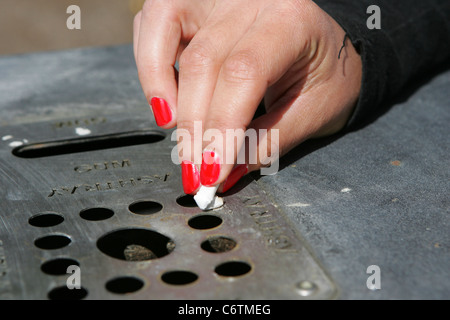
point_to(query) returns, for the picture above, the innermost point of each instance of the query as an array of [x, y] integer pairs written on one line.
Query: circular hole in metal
[[179, 277], [145, 207], [218, 244], [96, 214], [124, 285], [54, 241], [64, 293], [187, 200], [47, 219], [135, 244], [205, 221], [233, 269], [57, 267]]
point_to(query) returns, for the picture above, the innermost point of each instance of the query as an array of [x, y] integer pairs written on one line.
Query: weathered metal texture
[[119, 214], [374, 196]]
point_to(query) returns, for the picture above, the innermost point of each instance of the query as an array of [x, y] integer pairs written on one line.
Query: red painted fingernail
[[189, 176], [210, 169], [161, 111], [235, 175]]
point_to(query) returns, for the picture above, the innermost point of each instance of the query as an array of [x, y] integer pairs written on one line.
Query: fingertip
[[210, 168], [235, 175], [162, 111], [190, 177]]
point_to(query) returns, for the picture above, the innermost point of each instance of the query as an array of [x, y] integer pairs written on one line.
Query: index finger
[[157, 33], [246, 74]]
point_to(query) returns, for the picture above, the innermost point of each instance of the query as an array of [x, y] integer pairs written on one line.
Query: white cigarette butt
[[206, 198]]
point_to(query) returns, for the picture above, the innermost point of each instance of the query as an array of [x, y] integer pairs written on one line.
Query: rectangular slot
[[91, 143]]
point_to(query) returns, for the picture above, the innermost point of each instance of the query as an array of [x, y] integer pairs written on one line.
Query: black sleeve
[[414, 38]]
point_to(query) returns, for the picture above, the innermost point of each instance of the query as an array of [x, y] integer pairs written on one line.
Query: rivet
[[306, 288]]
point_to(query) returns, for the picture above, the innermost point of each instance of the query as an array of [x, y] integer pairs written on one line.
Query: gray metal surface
[[100, 192], [376, 196]]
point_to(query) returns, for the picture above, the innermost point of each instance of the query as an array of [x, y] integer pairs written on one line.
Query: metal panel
[[81, 192]]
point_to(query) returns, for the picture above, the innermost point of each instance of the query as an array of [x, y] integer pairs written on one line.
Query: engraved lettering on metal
[[79, 122], [104, 186], [147, 234], [106, 165]]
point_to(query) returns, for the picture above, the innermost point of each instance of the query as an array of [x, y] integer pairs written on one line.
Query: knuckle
[[147, 6], [196, 56], [241, 67], [157, 7], [186, 127], [147, 69], [295, 8], [218, 124]]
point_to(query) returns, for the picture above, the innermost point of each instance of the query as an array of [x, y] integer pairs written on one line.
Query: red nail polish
[[161, 111], [210, 169], [189, 176], [235, 175]]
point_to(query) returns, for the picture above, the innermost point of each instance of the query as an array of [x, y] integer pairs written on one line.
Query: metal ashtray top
[[89, 211]]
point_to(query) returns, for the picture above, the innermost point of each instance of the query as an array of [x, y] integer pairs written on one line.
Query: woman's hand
[[231, 55]]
